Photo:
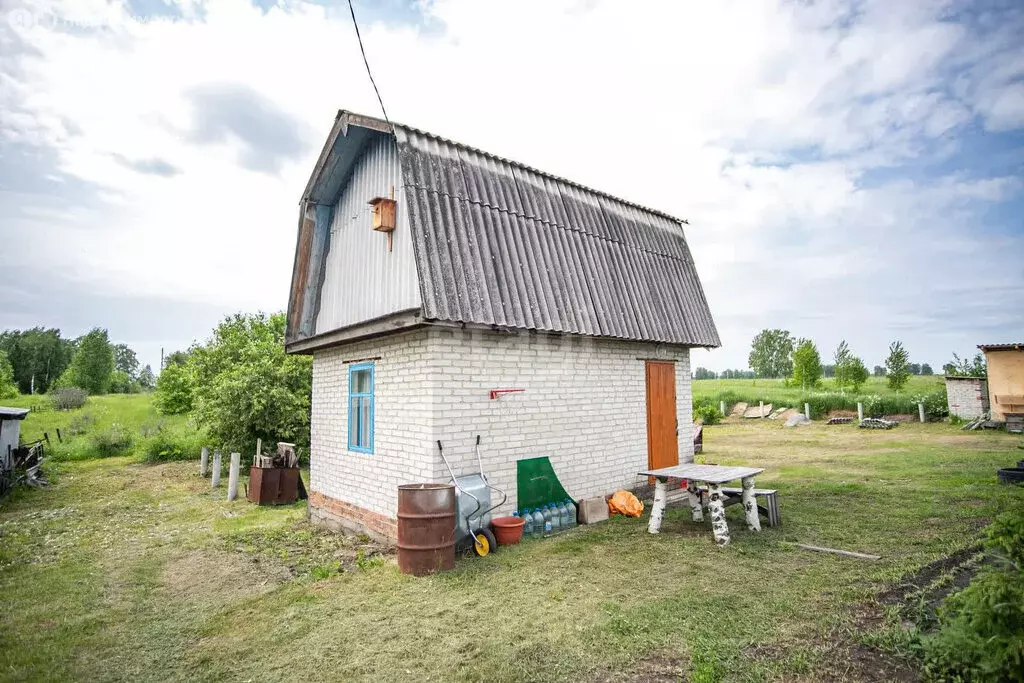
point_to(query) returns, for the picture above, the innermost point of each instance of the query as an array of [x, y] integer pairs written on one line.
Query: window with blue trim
[[360, 407]]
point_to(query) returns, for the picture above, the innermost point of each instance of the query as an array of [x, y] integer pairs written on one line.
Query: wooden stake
[[845, 553]]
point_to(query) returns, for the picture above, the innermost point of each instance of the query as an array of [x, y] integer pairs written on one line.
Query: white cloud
[[762, 123]]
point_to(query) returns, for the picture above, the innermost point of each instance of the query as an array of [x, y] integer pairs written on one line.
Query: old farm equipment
[[473, 506], [19, 463]]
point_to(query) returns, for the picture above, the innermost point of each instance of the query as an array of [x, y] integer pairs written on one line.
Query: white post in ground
[[920, 411], [807, 410], [721, 408], [215, 480], [658, 509], [860, 412], [762, 408], [204, 461], [236, 462]]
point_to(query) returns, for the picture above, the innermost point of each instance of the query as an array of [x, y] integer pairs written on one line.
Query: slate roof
[[499, 243]]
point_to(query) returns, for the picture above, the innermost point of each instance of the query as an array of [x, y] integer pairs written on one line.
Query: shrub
[[979, 638], [707, 414], [174, 389], [162, 444], [111, 442], [936, 405], [69, 398]]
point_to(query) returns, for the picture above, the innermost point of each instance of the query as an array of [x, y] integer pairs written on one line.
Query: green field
[[129, 414], [123, 571], [822, 399]]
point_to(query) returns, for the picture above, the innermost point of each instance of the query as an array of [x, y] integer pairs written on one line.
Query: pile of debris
[[983, 421], [877, 423], [839, 420]]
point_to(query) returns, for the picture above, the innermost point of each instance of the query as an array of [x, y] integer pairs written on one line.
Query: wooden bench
[[733, 496]]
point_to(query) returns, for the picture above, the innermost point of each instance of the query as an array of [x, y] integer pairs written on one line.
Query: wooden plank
[[710, 473]]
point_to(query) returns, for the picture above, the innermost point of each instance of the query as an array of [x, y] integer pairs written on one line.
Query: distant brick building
[[429, 274], [967, 396]]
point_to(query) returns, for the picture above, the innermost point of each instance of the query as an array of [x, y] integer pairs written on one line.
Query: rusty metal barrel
[[426, 528]]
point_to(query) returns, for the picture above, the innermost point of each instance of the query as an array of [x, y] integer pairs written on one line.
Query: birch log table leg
[[658, 509], [693, 496], [717, 509], [750, 504]]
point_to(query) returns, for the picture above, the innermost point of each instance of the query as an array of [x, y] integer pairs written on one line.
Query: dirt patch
[[843, 661], [959, 564], [902, 417], [657, 668], [200, 574]]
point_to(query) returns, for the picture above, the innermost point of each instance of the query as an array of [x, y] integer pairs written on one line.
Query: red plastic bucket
[[508, 530]]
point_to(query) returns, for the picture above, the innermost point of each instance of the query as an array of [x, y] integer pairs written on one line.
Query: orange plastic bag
[[625, 503]]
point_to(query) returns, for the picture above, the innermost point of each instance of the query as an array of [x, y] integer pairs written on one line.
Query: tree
[[771, 354], [146, 379], [856, 373], [126, 361], [8, 387], [828, 370], [878, 371], [914, 368], [926, 369], [961, 367], [175, 389], [897, 366], [807, 364], [93, 364], [703, 373], [850, 371], [245, 386], [38, 357]]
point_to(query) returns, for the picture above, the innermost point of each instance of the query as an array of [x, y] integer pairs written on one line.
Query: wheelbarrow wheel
[[484, 542]]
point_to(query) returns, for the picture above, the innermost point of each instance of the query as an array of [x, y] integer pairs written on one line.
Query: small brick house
[[967, 397], [430, 276]]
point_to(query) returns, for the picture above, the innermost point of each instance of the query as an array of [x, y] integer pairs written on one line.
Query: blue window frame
[[360, 407]]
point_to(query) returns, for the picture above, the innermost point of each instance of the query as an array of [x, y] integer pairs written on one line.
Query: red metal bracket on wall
[[495, 393]]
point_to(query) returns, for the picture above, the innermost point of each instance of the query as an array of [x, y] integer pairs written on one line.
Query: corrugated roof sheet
[[498, 243], [1014, 346]]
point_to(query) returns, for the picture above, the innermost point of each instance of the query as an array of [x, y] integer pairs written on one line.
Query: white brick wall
[[583, 406], [402, 413], [967, 396]]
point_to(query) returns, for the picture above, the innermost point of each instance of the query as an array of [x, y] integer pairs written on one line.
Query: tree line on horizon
[[39, 360], [778, 354]]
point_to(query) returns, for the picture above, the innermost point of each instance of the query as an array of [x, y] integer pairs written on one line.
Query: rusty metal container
[[426, 528], [273, 485]]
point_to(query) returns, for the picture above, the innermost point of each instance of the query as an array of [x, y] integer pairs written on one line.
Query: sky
[[849, 170]]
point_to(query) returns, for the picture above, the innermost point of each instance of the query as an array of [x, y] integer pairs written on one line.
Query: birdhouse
[[384, 210]]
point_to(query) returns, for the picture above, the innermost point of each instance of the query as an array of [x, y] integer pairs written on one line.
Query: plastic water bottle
[[563, 516], [556, 517], [548, 526], [527, 523], [570, 507], [538, 522]]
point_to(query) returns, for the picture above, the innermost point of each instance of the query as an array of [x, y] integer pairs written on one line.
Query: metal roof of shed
[[499, 243], [13, 413], [1017, 346]]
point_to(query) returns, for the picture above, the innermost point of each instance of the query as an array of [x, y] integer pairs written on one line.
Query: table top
[[712, 474]]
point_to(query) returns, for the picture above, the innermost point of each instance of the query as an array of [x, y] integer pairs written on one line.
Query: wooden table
[[714, 476]]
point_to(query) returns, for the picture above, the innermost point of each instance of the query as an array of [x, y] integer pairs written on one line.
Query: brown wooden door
[[662, 440]]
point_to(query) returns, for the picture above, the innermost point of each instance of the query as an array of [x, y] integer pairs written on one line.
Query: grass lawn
[[124, 571], [131, 411]]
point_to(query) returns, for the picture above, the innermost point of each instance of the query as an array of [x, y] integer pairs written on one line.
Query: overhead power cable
[[367, 63]]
